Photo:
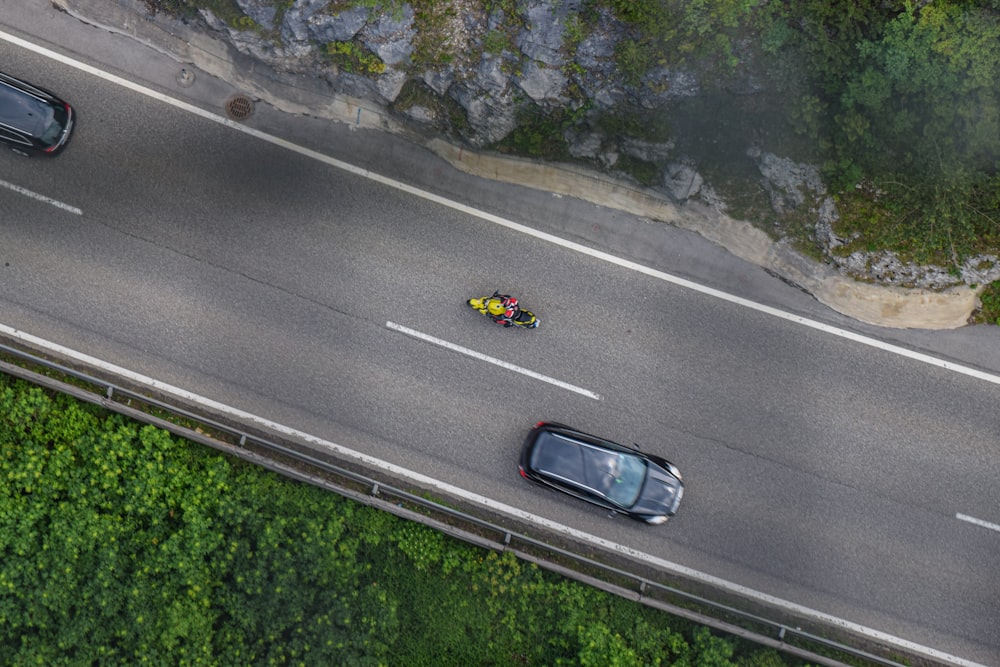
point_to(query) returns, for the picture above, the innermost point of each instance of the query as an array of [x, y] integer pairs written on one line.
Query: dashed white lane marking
[[978, 522], [489, 217], [498, 362], [430, 482], [42, 198]]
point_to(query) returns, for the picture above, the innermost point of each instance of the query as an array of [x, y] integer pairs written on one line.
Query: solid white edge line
[[424, 480], [489, 217], [978, 522], [42, 198], [498, 362]]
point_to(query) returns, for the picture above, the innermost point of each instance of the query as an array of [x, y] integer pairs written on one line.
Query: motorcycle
[[498, 304]]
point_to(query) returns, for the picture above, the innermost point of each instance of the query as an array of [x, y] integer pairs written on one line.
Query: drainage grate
[[239, 107]]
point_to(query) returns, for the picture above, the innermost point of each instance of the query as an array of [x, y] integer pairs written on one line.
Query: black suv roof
[[31, 117]]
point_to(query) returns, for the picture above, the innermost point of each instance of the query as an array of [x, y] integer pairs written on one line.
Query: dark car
[[617, 478], [32, 120]]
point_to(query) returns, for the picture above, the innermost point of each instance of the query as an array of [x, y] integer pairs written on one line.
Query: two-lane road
[[820, 471]]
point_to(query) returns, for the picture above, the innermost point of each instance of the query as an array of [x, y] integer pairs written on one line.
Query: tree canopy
[[902, 96]]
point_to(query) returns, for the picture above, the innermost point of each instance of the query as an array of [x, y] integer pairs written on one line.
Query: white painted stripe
[[489, 217], [34, 195], [978, 522], [498, 362], [430, 482]]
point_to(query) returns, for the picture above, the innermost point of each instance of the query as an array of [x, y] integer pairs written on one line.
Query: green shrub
[[634, 59], [989, 311], [354, 58], [118, 540]]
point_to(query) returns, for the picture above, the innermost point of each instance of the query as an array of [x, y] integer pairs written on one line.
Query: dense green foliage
[[120, 544], [670, 31], [905, 99]]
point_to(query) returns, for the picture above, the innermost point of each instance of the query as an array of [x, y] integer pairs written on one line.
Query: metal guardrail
[[302, 465]]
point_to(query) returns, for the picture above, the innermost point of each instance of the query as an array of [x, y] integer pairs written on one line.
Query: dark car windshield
[[55, 127], [628, 474], [29, 114], [617, 476]]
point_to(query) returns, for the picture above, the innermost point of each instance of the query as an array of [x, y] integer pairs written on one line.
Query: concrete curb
[[873, 304]]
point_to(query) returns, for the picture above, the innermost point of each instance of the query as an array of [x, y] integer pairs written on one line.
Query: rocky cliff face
[[493, 66], [460, 71]]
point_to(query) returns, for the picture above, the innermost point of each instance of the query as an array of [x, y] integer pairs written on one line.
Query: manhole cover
[[239, 107], [185, 78]]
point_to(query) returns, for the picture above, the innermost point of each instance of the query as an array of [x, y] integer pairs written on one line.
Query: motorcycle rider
[[504, 309]]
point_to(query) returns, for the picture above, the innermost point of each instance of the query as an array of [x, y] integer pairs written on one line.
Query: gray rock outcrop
[[682, 181], [541, 67], [489, 103], [788, 183], [390, 37], [261, 11]]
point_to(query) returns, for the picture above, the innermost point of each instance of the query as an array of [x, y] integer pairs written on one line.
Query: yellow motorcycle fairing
[[488, 306]]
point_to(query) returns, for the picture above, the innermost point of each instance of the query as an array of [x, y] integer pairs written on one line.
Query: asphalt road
[[819, 470]]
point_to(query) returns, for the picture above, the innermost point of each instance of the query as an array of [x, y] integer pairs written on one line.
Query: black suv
[[620, 479], [32, 120]]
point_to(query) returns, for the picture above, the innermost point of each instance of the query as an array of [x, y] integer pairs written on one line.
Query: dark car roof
[[602, 472], [32, 117], [576, 458], [24, 110]]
